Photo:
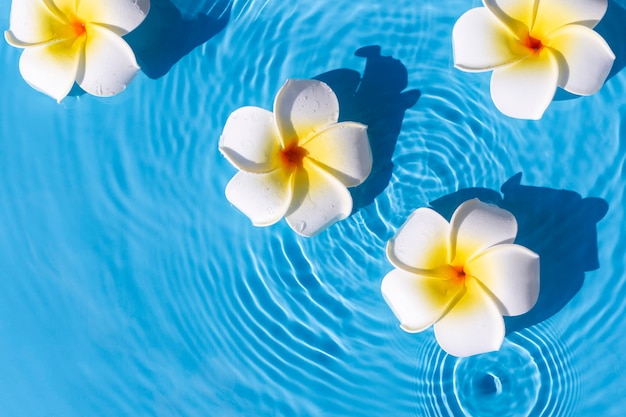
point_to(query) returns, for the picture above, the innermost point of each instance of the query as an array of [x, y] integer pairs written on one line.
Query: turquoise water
[[130, 286]]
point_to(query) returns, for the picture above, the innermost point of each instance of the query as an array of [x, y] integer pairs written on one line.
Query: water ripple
[[532, 375], [129, 278]]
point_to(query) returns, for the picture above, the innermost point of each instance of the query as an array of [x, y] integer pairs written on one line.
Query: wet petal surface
[[475, 226], [525, 89], [110, 63], [264, 198], [473, 325], [121, 16], [32, 22], [552, 14], [421, 243], [250, 140], [344, 150], [515, 14], [511, 274], [52, 68], [588, 59], [480, 42], [303, 107], [319, 200], [418, 301]]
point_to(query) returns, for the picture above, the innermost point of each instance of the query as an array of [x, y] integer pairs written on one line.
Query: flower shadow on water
[[166, 35], [559, 225], [377, 100], [613, 30]]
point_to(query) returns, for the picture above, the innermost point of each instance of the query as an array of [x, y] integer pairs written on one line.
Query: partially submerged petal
[[588, 58], [51, 68], [110, 63], [421, 243], [303, 107], [319, 200], [31, 22], [264, 198], [480, 42], [473, 325], [418, 301], [525, 89], [250, 140], [552, 14], [511, 274], [475, 226], [343, 149], [121, 16]]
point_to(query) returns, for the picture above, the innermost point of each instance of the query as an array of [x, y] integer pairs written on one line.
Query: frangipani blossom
[[532, 46], [461, 276], [296, 162], [68, 41]]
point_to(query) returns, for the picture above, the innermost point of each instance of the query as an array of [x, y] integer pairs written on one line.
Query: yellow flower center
[[448, 283], [78, 26], [458, 274], [291, 157], [535, 45]]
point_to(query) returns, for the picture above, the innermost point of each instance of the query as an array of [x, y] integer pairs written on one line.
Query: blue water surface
[[129, 286]]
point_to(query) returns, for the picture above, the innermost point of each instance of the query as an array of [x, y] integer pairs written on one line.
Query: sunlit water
[[130, 286]]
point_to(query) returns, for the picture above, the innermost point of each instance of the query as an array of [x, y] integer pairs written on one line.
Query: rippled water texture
[[130, 287]]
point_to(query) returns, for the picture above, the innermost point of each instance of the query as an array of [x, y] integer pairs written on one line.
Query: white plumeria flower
[[532, 46], [68, 41], [461, 276], [297, 162]]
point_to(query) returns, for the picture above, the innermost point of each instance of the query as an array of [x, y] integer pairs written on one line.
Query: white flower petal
[[51, 68], [472, 326], [525, 88], [264, 198], [303, 107], [421, 243], [480, 42], [32, 22], [475, 226], [250, 140], [121, 16], [319, 200], [418, 301], [109, 63], [552, 14], [344, 150], [513, 13], [588, 58], [511, 274]]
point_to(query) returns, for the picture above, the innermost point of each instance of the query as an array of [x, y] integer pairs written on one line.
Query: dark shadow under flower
[[166, 35], [377, 100]]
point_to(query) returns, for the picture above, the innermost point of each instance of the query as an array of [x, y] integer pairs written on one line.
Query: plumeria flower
[[68, 41], [461, 276], [297, 162], [532, 46]]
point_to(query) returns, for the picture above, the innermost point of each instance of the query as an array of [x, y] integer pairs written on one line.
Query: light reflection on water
[[132, 287]]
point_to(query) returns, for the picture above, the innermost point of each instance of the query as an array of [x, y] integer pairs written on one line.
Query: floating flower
[[532, 46], [296, 162], [68, 41], [461, 276]]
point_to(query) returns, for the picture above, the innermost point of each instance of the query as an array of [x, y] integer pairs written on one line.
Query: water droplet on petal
[[300, 226]]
